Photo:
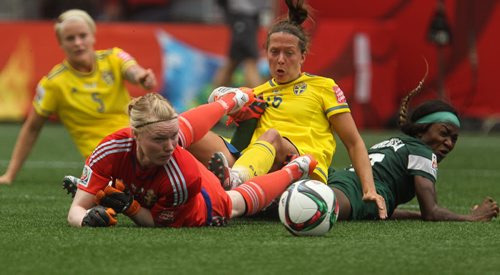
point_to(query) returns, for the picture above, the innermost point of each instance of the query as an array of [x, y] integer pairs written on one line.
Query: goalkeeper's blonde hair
[[149, 109], [74, 14]]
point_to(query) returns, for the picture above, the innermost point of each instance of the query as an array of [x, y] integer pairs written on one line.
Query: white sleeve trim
[[423, 164]]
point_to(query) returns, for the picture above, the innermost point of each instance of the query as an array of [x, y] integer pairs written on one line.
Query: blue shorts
[[236, 154]]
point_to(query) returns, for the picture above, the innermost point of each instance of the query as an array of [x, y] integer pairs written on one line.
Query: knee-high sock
[[260, 191], [256, 160], [192, 128]]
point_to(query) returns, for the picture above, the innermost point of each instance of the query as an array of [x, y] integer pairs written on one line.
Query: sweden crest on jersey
[[299, 88], [108, 77]]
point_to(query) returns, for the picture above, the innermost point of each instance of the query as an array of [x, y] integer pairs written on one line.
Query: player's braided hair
[[298, 12], [148, 109], [405, 102], [407, 125]]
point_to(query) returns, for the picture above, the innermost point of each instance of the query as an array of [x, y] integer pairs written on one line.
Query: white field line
[[40, 164], [475, 172], [34, 197]]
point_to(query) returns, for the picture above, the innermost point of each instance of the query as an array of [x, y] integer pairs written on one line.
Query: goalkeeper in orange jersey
[[156, 182], [86, 91]]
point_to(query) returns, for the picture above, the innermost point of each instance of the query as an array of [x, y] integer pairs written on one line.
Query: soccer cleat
[[290, 157], [219, 167], [242, 97], [70, 183], [301, 167], [219, 92]]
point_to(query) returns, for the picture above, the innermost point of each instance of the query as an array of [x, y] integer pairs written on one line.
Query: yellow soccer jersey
[[300, 110], [90, 105]]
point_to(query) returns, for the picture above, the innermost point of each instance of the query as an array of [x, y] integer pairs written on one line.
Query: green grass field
[[35, 237]]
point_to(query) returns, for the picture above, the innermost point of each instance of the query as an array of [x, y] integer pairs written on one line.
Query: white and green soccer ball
[[308, 208]]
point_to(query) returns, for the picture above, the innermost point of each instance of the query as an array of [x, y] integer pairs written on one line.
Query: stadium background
[[37, 240], [373, 49]]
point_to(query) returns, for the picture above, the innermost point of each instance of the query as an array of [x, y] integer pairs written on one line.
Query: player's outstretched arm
[[400, 214], [431, 211], [138, 75], [343, 125], [143, 218], [27, 137], [81, 203]]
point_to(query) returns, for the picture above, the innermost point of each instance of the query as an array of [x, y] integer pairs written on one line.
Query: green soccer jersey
[[395, 163]]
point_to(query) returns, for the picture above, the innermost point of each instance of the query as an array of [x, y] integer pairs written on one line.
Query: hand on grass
[[379, 200], [99, 216], [485, 211]]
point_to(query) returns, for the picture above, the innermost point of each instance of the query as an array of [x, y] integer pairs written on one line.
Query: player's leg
[[251, 72], [224, 75], [249, 49], [192, 128], [268, 152], [344, 205], [257, 193], [204, 149]]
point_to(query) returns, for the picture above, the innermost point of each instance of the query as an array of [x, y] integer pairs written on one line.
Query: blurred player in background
[[243, 19], [137, 10], [303, 113], [406, 166], [86, 91], [156, 182]]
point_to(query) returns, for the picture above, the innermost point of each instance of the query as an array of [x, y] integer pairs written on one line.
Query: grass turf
[[35, 238]]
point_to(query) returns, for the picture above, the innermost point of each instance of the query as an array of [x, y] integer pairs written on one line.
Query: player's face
[[441, 137], [77, 41], [284, 57], [156, 144]]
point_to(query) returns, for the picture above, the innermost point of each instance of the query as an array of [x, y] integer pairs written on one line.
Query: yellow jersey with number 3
[[90, 105], [300, 110]]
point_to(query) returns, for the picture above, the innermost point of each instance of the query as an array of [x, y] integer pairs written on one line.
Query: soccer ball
[[308, 208]]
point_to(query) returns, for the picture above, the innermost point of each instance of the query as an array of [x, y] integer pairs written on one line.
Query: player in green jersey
[[405, 166]]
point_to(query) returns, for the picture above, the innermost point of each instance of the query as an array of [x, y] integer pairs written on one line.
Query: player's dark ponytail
[[298, 12]]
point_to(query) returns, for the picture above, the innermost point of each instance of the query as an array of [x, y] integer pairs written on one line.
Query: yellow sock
[[257, 159]]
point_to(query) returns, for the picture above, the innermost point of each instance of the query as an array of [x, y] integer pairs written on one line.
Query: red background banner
[[395, 31]]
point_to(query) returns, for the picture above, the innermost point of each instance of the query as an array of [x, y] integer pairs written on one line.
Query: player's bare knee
[[272, 136]]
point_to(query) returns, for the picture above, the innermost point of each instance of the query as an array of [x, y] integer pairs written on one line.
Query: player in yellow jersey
[[300, 110], [86, 91], [303, 113]]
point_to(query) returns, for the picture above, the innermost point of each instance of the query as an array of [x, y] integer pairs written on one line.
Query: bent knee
[[272, 136]]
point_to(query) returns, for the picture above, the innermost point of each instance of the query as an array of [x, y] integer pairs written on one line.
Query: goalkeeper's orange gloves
[[119, 198], [254, 110], [99, 216]]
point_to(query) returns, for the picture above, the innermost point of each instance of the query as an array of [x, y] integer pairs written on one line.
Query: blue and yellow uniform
[[90, 105], [300, 111]]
